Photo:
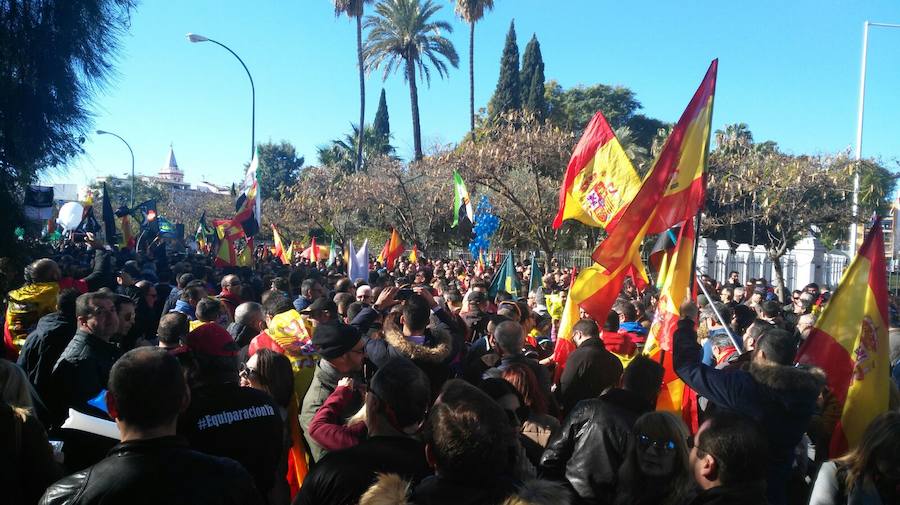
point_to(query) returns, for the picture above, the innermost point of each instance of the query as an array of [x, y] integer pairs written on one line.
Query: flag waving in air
[[675, 287], [280, 252], [678, 166], [392, 250], [850, 342], [461, 202], [599, 180], [505, 279]]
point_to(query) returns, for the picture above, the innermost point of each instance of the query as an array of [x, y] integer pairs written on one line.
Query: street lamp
[[859, 127], [193, 37], [102, 132]]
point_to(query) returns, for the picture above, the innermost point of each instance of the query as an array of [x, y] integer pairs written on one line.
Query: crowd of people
[[420, 384]]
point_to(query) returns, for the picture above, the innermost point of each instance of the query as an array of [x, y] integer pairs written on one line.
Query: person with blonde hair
[[868, 474], [656, 467]]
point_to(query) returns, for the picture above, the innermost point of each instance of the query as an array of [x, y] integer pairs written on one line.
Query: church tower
[[170, 170]]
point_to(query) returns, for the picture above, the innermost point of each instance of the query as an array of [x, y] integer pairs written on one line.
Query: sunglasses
[[646, 442], [246, 372]]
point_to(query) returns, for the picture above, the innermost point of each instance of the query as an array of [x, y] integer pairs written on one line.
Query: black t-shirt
[[238, 423], [343, 476]]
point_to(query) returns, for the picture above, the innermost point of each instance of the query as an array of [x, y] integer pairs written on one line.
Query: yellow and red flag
[[392, 250], [850, 342], [683, 157], [280, 252], [315, 252], [675, 287], [600, 179], [564, 344], [414, 255]]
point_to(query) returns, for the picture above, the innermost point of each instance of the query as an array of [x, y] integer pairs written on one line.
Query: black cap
[[321, 303], [130, 269], [334, 339]]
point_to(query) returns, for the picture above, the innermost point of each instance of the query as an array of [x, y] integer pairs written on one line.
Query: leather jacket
[[592, 443], [154, 471]]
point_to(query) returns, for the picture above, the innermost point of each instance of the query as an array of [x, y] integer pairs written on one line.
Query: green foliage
[[532, 79], [471, 11], [279, 166], [572, 109], [53, 57], [381, 127], [644, 130], [342, 152], [120, 192], [508, 95], [402, 35]]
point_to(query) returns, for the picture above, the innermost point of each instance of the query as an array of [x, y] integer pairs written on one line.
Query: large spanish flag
[[675, 287], [850, 342], [675, 179], [599, 179], [228, 233]]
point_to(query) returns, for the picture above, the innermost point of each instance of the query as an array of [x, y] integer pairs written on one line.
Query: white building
[[170, 176]]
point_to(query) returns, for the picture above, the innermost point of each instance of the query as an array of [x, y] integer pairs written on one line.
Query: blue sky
[[789, 69]]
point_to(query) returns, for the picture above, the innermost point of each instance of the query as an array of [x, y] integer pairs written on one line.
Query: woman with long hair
[[867, 475], [656, 469], [538, 426]]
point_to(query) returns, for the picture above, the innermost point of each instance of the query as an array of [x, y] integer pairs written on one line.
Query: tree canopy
[[508, 95], [279, 166]]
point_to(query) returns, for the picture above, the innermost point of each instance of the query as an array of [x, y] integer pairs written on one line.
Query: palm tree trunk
[[414, 101], [362, 94], [472, 78]]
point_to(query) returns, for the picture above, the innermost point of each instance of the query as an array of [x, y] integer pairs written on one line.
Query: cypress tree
[[532, 79], [381, 126], [508, 95]]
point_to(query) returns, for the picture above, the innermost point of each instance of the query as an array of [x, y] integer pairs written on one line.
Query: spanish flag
[[680, 165], [564, 344], [850, 342], [675, 287], [280, 251], [392, 250], [600, 179], [414, 255]]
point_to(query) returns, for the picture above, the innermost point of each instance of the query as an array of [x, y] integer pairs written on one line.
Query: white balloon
[[70, 215]]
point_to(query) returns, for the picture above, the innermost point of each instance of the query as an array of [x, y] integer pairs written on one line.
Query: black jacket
[[592, 443], [590, 370], [243, 424], [342, 477], [155, 471], [80, 374], [44, 346], [781, 399], [742, 494]]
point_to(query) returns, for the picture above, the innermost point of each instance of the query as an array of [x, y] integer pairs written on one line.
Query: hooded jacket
[[390, 489], [432, 357], [781, 399]]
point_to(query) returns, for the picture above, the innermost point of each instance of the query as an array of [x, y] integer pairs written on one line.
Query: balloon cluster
[[486, 224]]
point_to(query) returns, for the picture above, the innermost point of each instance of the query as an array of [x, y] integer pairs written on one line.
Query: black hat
[[321, 303], [129, 269], [334, 339]]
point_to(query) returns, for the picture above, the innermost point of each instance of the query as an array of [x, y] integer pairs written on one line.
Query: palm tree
[[471, 11], [735, 138], [354, 9], [402, 33], [342, 152], [635, 152]]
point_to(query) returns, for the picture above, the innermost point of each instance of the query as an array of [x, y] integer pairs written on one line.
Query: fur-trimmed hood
[[784, 378], [391, 489], [436, 353]]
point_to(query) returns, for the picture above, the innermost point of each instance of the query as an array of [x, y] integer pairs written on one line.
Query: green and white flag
[[461, 201]]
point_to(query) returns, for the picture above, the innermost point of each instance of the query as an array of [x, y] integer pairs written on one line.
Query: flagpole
[[712, 305]]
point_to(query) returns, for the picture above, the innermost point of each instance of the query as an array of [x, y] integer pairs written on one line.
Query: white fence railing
[[808, 262]]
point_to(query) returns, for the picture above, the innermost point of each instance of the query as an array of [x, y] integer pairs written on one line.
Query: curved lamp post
[[193, 37], [102, 132]]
